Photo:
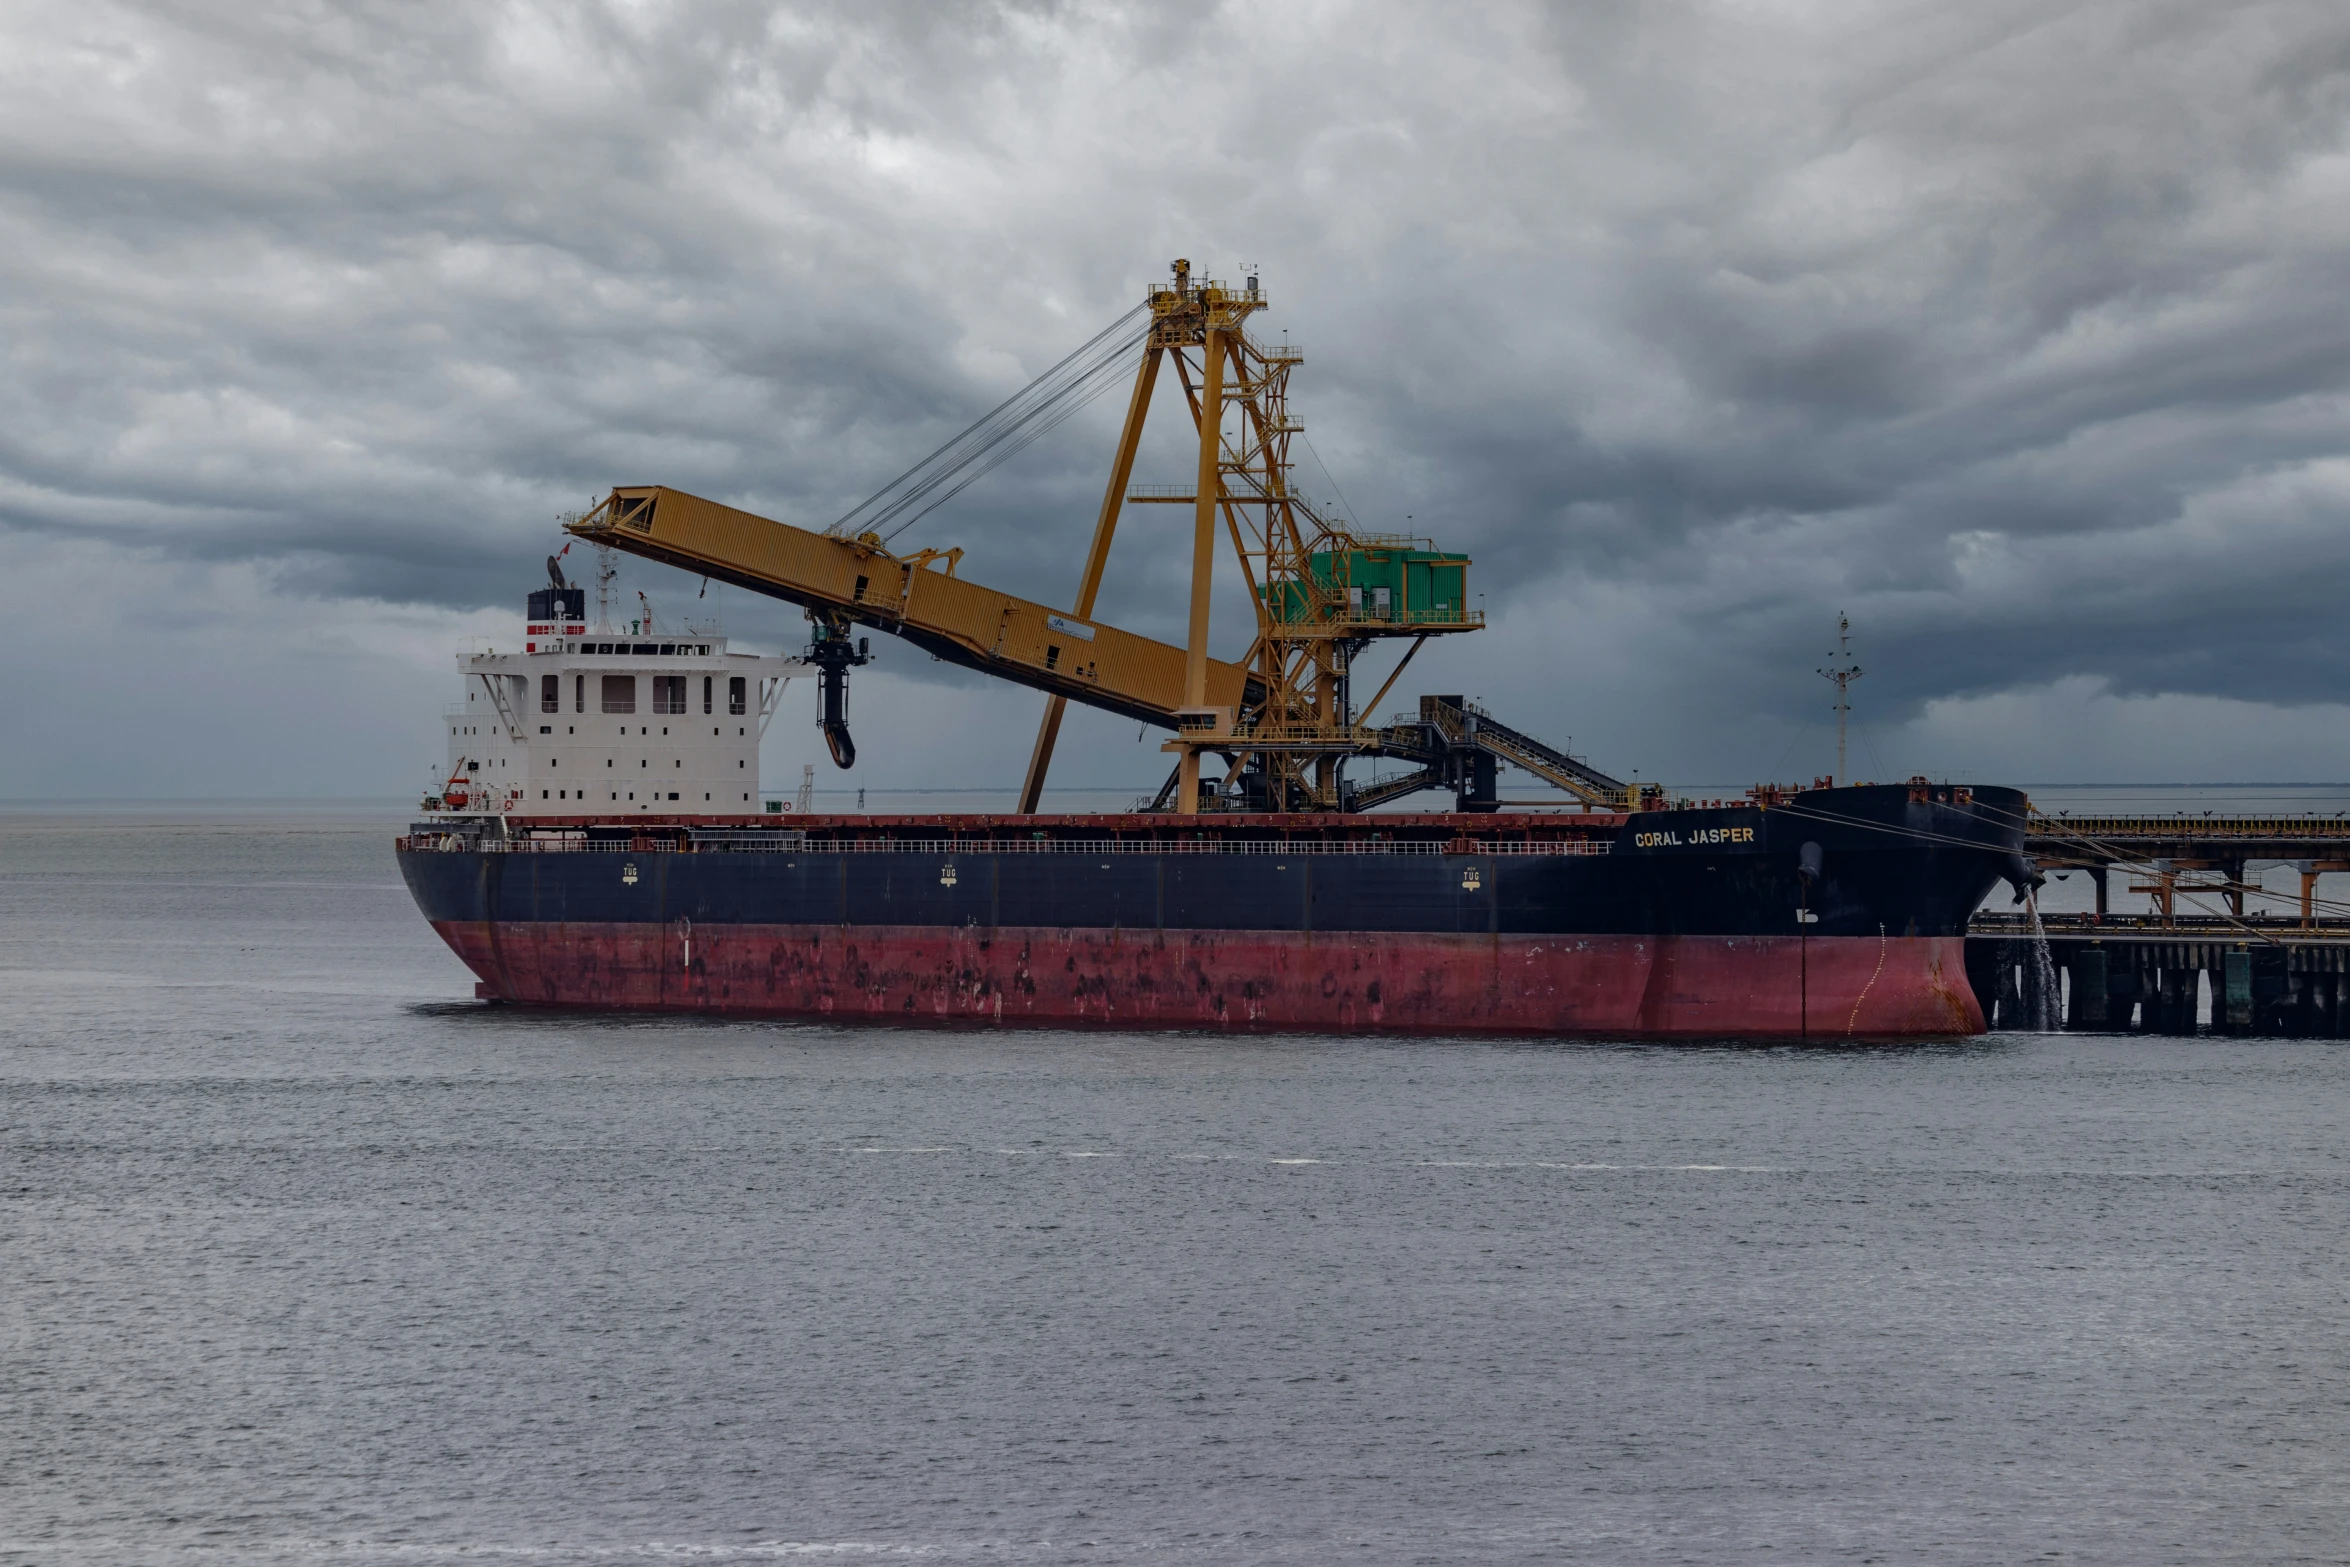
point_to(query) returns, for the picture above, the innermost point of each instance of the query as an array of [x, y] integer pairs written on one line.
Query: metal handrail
[[745, 843], [1407, 620], [1998, 922], [2045, 825]]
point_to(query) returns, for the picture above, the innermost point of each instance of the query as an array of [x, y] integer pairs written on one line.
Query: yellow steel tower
[[1320, 591]]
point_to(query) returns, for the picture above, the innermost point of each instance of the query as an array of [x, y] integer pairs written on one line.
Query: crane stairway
[[1458, 744]]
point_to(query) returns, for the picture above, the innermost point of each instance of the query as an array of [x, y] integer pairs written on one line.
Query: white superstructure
[[609, 720]]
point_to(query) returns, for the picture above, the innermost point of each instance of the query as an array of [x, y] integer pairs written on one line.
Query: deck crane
[[1281, 719]]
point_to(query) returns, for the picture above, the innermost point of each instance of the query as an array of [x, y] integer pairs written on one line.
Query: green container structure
[[1374, 585]]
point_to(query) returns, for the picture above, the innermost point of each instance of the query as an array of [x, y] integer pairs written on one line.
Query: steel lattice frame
[[1299, 736]]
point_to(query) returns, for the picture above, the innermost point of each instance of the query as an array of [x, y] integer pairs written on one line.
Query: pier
[[2202, 956]]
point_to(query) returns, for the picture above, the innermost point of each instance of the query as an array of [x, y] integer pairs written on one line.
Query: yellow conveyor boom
[[917, 598]]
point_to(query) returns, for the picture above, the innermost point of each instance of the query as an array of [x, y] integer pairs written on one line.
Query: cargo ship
[[600, 839]]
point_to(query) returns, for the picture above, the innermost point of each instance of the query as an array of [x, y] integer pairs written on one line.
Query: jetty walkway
[[2211, 949]]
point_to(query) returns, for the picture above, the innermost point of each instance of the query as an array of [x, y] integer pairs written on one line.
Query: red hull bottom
[[1659, 986]]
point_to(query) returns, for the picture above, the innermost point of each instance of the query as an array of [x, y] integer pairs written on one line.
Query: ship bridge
[[608, 718]]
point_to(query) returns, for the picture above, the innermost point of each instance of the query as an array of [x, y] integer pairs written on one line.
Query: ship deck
[[1429, 833]]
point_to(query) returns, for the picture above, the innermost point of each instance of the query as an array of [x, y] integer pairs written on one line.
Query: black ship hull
[[1824, 913]]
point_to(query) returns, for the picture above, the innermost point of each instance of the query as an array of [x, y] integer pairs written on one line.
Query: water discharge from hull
[[2043, 990]]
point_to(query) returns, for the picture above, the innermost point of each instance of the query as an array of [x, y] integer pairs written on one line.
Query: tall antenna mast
[[1841, 674], [605, 572]]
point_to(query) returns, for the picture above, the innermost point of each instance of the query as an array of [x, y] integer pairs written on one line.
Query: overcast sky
[[2017, 331]]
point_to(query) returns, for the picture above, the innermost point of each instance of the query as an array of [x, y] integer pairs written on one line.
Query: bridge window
[[669, 693], [620, 693], [735, 694], [550, 693]]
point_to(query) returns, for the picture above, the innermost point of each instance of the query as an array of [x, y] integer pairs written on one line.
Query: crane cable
[[1101, 379], [1007, 429]]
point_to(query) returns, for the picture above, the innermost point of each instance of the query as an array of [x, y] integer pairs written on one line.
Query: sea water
[[308, 1257]]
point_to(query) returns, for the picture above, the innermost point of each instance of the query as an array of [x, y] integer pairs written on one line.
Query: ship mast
[[605, 572], [1841, 673]]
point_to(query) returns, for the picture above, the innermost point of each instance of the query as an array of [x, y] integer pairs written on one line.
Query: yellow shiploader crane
[[857, 582], [1281, 718]]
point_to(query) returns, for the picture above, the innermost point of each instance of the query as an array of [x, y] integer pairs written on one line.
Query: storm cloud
[[2016, 331]]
